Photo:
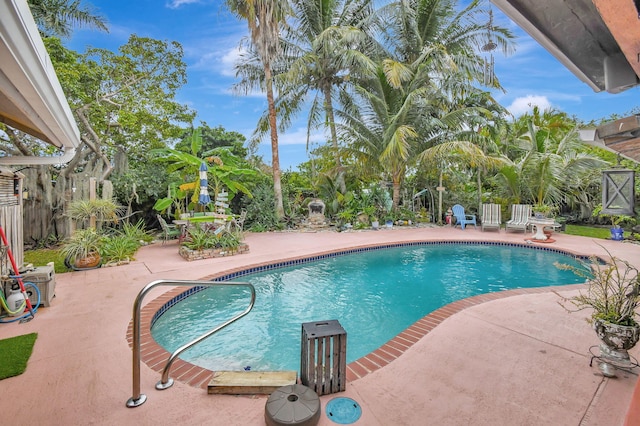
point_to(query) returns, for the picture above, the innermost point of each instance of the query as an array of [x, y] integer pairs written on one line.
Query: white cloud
[[228, 61], [525, 104], [174, 4]]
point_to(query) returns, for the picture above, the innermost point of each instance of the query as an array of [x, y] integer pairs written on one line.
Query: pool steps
[[250, 382]]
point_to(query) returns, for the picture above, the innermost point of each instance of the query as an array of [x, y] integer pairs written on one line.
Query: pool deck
[[515, 358]]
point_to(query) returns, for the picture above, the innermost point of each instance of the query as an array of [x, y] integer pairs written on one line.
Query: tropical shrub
[[261, 209], [202, 239], [119, 248], [137, 231]]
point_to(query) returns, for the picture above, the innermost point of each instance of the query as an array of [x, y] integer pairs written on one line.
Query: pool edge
[[155, 357]]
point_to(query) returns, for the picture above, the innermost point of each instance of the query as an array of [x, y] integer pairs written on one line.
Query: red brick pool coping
[[155, 356]]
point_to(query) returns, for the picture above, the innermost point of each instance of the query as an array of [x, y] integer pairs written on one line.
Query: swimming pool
[[375, 294]]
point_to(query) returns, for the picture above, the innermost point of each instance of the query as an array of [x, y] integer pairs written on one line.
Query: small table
[[538, 227], [207, 221]]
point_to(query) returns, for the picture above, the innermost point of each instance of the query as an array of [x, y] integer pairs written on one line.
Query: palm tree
[[416, 99], [58, 17], [265, 19], [421, 31], [378, 127], [552, 159], [327, 44]]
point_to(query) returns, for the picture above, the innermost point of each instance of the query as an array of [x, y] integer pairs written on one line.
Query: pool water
[[374, 295]]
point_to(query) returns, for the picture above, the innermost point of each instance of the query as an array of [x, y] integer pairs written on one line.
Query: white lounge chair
[[491, 216], [520, 215]]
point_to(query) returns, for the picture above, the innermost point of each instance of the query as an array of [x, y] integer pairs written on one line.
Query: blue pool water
[[374, 295]]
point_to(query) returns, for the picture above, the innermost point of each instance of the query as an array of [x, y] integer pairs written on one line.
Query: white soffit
[[31, 98]]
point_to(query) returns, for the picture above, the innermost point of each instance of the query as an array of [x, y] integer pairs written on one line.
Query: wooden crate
[[323, 360]]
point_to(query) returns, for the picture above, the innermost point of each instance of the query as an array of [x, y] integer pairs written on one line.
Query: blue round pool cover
[[343, 411]]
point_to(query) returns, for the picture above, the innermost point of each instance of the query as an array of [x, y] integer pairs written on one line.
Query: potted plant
[[613, 293], [542, 211], [82, 250], [375, 223], [617, 232]]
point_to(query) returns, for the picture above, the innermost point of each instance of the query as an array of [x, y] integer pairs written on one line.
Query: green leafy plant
[[119, 248], [615, 219], [137, 231], [229, 240], [613, 290], [102, 210], [83, 243], [199, 239], [542, 208]]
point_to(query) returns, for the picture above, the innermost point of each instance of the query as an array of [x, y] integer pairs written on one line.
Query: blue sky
[[210, 37]]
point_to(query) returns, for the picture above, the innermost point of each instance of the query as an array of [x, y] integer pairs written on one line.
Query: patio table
[[208, 222], [538, 227]]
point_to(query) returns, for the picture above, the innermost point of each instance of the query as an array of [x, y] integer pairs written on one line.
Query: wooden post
[[92, 197], [440, 190]]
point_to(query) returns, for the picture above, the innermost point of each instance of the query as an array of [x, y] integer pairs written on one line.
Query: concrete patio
[[517, 359]]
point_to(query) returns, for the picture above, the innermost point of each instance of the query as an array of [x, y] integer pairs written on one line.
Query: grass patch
[[41, 257], [590, 231], [14, 354]]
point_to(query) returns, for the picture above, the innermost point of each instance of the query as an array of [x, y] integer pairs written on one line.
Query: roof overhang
[[621, 136], [597, 40], [31, 98]]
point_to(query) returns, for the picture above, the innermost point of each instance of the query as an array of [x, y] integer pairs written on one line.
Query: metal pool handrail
[[138, 398]]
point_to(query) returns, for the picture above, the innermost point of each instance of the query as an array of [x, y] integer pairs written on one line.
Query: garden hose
[[24, 304]]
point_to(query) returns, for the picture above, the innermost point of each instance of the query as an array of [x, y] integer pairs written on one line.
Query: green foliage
[[225, 172], [119, 248], [260, 209], [82, 243], [615, 219], [58, 18], [216, 137], [202, 239], [141, 185], [103, 210], [548, 162], [198, 239], [114, 246], [613, 290], [125, 103], [136, 232]]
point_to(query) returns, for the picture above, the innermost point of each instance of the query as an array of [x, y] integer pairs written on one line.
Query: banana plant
[[224, 172]]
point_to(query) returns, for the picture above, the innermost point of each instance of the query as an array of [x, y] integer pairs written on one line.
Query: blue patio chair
[[463, 219]]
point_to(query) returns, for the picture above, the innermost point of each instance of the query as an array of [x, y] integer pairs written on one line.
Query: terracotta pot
[[91, 261]]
